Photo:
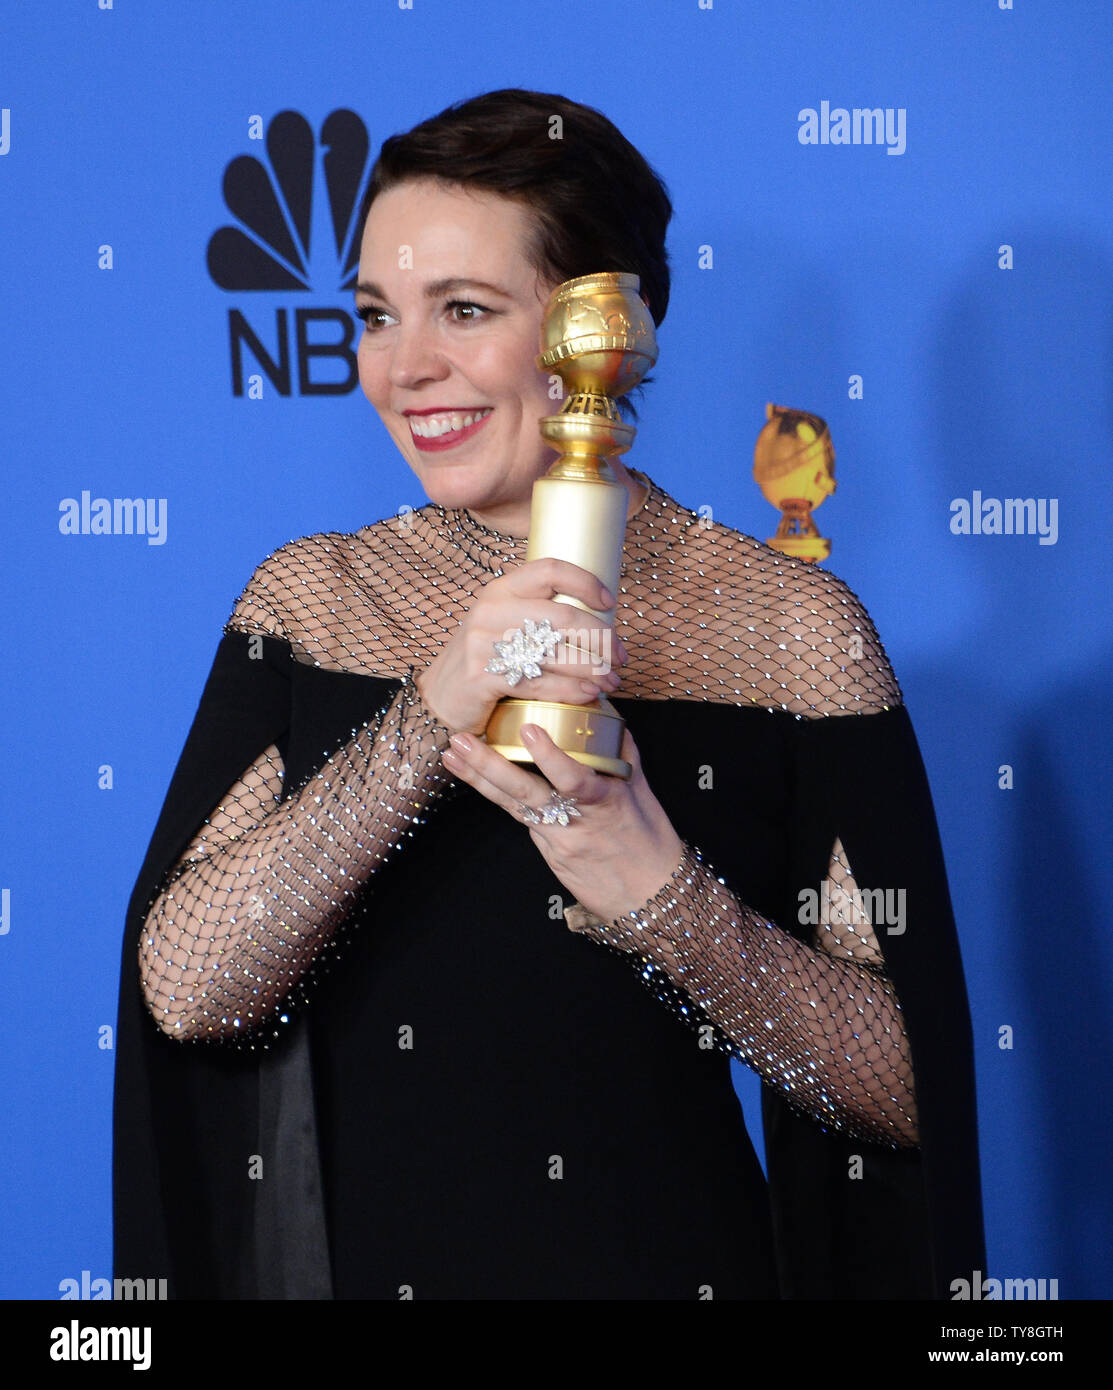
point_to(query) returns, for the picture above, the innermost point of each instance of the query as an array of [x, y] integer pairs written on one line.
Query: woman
[[481, 1100]]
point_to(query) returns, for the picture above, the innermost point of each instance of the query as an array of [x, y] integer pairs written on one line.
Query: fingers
[[545, 577], [498, 779], [569, 777], [629, 753], [562, 690], [510, 785], [586, 636], [511, 666], [575, 669], [584, 639], [574, 666]]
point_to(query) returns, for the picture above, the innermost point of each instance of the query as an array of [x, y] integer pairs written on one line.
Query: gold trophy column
[[598, 337]]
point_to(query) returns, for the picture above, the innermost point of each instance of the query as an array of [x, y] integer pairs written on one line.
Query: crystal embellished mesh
[[236, 931]]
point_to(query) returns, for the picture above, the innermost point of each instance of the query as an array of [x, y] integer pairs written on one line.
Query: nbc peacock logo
[[277, 244]]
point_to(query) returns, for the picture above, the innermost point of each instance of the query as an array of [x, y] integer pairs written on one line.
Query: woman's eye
[[373, 317], [459, 311], [465, 311]]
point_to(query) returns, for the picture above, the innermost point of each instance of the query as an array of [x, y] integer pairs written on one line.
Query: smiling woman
[[516, 1081]]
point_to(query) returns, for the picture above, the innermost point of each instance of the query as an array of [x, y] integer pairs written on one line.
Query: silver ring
[[558, 810], [520, 656]]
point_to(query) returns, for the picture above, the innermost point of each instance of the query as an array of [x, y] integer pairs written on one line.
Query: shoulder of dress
[[749, 570], [321, 546], [286, 582], [832, 645], [803, 625]]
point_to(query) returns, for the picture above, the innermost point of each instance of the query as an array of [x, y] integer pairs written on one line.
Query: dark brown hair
[[597, 204]]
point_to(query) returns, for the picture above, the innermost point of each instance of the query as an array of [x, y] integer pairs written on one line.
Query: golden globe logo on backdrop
[[278, 243]]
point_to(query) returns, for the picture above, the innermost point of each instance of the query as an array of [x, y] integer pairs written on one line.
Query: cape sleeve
[[912, 1222], [198, 1120], [181, 1204]]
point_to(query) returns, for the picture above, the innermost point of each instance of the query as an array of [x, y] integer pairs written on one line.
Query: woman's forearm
[[827, 1032], [232, 932]]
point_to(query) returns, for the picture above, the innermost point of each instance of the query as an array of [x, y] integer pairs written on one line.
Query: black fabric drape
[[190, 1121]]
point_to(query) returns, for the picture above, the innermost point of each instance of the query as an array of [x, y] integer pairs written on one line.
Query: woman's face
[[453, 314]]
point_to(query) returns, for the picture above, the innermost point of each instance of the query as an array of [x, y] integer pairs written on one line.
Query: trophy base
[[802, 547], [592, 734]]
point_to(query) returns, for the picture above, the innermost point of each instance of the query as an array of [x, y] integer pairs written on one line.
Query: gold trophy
[[598, 337], [794, 465]]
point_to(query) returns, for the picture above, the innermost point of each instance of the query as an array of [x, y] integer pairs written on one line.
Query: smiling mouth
[[434, 431], [444, 429]]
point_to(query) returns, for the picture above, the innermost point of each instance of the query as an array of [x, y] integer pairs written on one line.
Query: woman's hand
[[613, 857], [459, 689]]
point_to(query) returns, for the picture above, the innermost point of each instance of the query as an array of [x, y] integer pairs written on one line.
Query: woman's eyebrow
[[436, 288]]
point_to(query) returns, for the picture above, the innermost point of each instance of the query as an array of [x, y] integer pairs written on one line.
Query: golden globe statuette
[[794, 465], [598, 337]]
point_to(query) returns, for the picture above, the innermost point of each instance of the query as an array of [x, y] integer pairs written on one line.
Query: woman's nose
[[415, 357]]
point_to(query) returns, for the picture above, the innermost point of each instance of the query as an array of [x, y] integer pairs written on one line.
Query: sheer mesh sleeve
[[819, 1021], [235, 929], [822, 1026]]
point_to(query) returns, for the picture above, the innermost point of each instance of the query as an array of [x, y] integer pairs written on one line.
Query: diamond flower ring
[[521, 656]]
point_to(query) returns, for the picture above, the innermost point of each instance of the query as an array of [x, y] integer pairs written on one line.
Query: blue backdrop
[[961, 271]]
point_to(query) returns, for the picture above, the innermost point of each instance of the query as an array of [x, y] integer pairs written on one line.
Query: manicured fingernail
[[608, 598], [529, 732], [461, 742]]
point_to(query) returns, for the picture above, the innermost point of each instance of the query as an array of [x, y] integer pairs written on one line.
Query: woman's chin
[[454, 489], [462, 485]]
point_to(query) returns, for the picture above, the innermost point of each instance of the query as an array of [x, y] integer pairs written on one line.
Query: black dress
[[479, 1103]]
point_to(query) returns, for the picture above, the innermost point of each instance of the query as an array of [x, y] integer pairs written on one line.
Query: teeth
[[433, 426]]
